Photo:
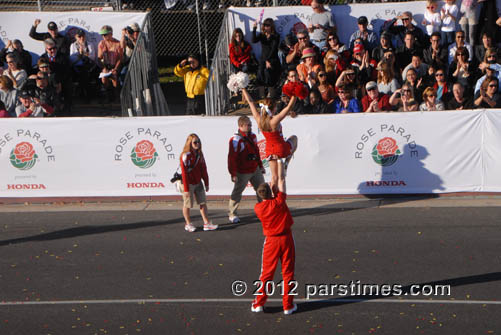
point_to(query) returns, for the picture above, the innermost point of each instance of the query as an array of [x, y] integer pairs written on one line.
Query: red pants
[[275, 248]]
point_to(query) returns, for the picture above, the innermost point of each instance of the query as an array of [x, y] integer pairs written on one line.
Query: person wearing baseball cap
[[83, 59], [30, 105], [130, 34], [375, 101], [368, 37], [62, 41], [110, 54]]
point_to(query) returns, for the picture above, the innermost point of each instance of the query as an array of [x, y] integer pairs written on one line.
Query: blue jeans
[[447, 37]]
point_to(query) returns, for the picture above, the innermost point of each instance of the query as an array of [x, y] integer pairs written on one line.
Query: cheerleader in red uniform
[[269, 123]]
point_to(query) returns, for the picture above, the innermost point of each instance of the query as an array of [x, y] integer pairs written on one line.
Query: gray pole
[[199, 32], [39, 5]]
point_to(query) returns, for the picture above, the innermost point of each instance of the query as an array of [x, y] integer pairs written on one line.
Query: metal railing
[[216, 94], [141, 93]]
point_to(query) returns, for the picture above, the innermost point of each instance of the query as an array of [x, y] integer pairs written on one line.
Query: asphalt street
[[126, 271]]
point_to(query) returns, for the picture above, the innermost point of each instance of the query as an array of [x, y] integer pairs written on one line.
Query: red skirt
[[276, 145]]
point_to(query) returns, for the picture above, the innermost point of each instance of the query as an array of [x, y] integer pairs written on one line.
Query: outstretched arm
[[252, 105], [281, 177], [275, 120]]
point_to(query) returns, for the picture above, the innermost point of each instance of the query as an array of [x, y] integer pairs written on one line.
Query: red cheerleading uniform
[[278, 245], [276, 145]]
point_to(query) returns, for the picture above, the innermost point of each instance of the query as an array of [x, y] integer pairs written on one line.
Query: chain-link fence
[[141, 94], [58, 5]]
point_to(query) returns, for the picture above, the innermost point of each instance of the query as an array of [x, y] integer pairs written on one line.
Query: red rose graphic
[[145, 150], [387, 147], [24, 152], [262, 149]]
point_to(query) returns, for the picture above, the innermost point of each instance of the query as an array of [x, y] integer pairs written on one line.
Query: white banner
[[17, 25], [345, 15], [420, 152]]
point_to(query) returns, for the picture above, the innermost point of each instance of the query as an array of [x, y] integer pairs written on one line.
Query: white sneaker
[[290, 311], [209, 226], [234, 219], [257, 309], [189, 228]]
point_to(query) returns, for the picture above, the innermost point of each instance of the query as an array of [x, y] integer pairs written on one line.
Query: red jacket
[[242, 55], [193, 169], [275, 216], [383, 102], [240, 148]]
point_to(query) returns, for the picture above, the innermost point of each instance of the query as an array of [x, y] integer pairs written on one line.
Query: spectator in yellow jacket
[[195, 77]]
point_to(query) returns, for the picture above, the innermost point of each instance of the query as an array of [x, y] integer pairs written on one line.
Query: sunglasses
[[321, 74], [371, 89], [53, 48], [432, 96], [331, 39], [342, 92], [493, 85], [266, 25], [405, 19], [460, 36], [350, 74], [430, 7], [439, 74], [196, 142], [406, 91], [491, 56], [301, 38]]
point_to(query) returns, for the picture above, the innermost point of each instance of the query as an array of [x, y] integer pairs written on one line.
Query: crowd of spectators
[[399, 68], [47, 87]]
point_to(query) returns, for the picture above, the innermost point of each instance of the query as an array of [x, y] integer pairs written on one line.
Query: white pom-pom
[[238, 81]]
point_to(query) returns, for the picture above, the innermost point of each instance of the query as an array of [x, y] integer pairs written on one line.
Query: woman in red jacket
[[240, 51], [193, 170]]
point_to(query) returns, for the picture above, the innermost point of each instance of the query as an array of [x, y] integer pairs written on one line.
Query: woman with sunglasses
[[488, 96], [268, 121], [441, 85], [489, 66], [430, 102], [193, 171], [240, 51], [417, 83], [345, 102], [349, 79], [463, 71], [403, 99], [325, 89], [269, 68], [333, 43]]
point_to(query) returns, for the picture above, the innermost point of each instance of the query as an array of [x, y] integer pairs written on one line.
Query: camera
[[252, 157], [177, 176], [129, 30]]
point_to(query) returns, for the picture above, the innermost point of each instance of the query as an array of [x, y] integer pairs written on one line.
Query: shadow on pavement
[[88, 230], [406, 290]]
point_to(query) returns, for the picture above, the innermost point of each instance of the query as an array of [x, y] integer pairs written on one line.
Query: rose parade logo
[[262, 153], [144, 154], [386, 152], [23, 156]]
